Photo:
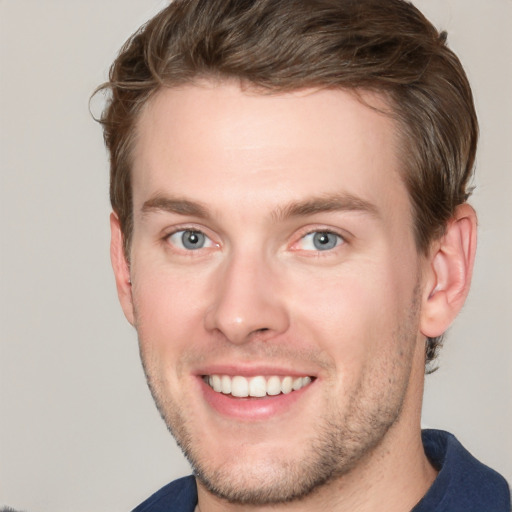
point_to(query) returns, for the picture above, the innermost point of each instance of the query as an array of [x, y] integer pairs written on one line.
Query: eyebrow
[[311, 206], [329, 203], [175, 205]]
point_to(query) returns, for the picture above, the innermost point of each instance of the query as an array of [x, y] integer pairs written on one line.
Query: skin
[[257, 174]]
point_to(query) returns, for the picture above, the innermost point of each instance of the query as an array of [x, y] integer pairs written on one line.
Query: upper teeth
[[255, 386]]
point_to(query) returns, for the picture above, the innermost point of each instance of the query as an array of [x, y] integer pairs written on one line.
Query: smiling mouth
[[258, 387]]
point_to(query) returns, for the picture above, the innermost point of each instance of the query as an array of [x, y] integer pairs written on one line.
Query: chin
[[261, 475], [262, 482]]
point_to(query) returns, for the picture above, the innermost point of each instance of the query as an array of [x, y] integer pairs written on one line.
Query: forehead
[[221, 143]]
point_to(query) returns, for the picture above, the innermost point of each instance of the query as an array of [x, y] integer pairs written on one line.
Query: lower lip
[[251, 409]]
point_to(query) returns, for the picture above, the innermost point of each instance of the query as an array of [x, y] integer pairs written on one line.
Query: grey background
[[78, 429]]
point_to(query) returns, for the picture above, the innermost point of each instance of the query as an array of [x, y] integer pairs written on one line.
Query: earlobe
[[449, 273], [121, 268]]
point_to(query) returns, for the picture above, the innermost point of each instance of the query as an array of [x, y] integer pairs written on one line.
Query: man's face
[[273, 255]]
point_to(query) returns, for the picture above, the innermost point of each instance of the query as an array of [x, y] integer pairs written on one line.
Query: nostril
[[256, 332]]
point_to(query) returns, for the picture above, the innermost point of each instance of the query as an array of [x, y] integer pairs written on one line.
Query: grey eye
[[190, 240], [324, 241], [320, 241]]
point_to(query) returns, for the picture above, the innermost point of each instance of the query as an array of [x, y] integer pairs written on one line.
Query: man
[[291, 239]]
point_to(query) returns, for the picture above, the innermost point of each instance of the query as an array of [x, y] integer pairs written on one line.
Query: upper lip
[[253, 370]]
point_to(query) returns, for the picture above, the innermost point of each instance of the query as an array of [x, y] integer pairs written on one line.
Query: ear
[[121, 268], [449, 272]]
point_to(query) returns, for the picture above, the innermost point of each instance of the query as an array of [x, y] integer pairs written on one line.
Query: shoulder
[[463, 483], [178, 496]]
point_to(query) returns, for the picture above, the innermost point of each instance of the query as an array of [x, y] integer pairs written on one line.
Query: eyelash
[[341, 240], [188, 229]]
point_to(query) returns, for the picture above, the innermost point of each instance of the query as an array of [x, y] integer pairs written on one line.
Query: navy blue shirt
[[462, 485]]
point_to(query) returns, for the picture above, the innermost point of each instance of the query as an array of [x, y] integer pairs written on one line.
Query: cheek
[[168, 314], [354, 313]]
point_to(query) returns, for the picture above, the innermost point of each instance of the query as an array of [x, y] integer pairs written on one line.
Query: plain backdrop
[[78, 428]]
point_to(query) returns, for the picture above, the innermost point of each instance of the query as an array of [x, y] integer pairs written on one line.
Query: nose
[[248, 301]]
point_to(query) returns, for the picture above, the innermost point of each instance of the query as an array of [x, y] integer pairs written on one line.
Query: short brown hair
[[386, 46]]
